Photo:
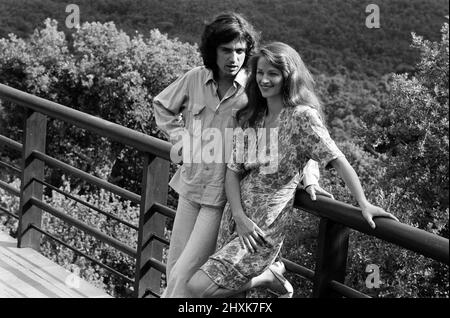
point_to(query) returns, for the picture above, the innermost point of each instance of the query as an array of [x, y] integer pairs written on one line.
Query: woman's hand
[[250, 235], [315, 189], [369, 211], [351, 179]]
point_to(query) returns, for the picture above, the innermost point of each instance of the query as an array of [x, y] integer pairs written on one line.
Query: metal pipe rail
[[3, 210], [10, 143], [90, 206], [85, 228], [6, 165], [164, 210], [108, 268], [9, 188], [55, 163]]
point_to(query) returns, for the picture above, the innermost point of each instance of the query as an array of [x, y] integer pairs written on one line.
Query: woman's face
[[268, 78]]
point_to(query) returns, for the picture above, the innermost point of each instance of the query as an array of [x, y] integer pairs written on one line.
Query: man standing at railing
[[206, 97]]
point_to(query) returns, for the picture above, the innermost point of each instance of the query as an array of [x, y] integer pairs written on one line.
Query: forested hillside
[[330, 34]]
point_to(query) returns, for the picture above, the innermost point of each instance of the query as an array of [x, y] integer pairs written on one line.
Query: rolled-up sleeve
[[169, 104], [311, 173]]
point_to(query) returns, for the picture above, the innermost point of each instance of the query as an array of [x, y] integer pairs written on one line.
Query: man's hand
[[315, 189]]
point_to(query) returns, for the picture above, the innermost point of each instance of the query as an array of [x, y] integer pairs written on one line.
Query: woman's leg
[[202, 286], [200, 245]]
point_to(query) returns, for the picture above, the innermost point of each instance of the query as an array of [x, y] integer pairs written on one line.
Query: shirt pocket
[[196, 119]]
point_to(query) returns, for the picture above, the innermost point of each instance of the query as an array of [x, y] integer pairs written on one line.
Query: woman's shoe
[[286, 290]]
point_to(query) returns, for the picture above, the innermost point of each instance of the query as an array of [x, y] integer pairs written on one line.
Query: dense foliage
[[411, 128], [105, 73], [405, 171]]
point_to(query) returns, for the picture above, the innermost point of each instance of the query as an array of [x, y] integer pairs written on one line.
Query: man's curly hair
[[225, 28]]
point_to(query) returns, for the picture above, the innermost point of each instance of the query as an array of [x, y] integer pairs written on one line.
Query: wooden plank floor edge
[[25, 273]]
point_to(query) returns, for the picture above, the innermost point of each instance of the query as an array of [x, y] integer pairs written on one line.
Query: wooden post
[[33, 139], [154, 189], [331, 258]]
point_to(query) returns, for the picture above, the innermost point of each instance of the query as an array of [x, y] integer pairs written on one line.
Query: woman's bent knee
[[201, 286]]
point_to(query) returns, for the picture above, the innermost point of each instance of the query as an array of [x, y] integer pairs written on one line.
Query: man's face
[[230, 58]]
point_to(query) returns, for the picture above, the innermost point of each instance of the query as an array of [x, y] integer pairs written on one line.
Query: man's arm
[[167, 107]]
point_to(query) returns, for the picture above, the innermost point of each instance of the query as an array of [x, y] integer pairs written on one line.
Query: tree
[[104, 72], [412, 130]]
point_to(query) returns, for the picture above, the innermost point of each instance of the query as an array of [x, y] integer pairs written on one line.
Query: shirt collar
[[209, 76], [241, 77]]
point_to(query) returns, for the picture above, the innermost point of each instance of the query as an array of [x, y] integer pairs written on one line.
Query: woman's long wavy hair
[[298, 83]]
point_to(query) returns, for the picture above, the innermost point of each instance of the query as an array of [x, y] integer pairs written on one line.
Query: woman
[[281, 99]]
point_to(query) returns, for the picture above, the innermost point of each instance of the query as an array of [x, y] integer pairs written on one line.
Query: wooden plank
[[24, 273], [34, 139], [331, 258], [154, 189]]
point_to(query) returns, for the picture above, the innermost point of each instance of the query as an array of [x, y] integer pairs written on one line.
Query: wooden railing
[[152, 199], [337, 218]]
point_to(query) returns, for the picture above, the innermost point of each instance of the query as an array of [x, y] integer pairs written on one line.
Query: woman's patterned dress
[[267, 196]]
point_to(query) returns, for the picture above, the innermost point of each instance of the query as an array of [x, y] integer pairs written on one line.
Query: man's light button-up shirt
[[195, 96]]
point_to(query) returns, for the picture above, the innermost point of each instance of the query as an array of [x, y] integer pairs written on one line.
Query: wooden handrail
[[409, 237], [124, 135]]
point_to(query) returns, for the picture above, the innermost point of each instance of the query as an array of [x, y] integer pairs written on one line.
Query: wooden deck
[[25, 273]]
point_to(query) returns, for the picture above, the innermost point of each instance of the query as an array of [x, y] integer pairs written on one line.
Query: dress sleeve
[[312, 137]]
